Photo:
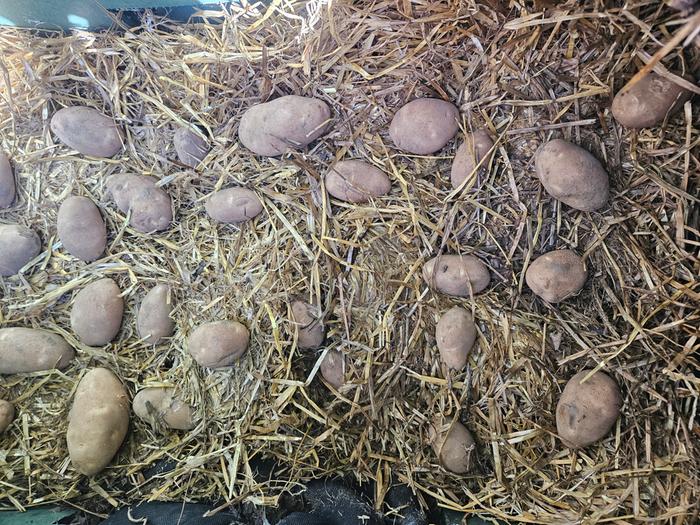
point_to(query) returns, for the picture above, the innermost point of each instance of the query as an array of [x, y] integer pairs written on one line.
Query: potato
[[218, 344], [7, 414], [18, 246], [333, 368], [190, 147], [458, 275], [455, 334], [32, 350], [87, 130], [587, 411], [556, 275], [476, 146], [81, 228], [356, 181], [153, 321], [158, 406], [7, 182], [309, 325], [289, 122], [150, 206], [647, 102], [97, 312], [233, 205], [454, 446], [424, 125], [97, 422]]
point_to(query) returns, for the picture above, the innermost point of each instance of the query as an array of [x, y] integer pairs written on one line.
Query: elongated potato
[[233, 205], [455, 334], [7, 182], [81, 228], [87, 130], [7, 414], [218, 344], [32, 350], [476, 146], [424, 125], [153, 321], [158, 406], [556, 275], [356, 181], [98, 421], [150, 207], [458, 275], [454, 446], [97, 312], [18, 246], [190, 147], [333, 368], [308, 324]]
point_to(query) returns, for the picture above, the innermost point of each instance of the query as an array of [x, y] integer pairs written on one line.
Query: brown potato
[[233, 205], [87, 130], [458, 275], [7, 415], [587, 411], [81, 228], [190, 147], [153, 321], [32, 350], [18, 246], [647, 102], [572, 175], [98, 421], [289, 122], [424, 125], [556, 275], [7, 182], [149, 204], [158, 407], [476, 146], [309, 325], [97, 312], [333, 368], [218, 344], [356, 181], [454, 446], [455, 334]]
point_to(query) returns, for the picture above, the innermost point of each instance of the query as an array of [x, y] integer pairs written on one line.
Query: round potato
[[98, 421], [81, 228], [458, 275], [333, 368], [424, 126], [454, 446], [150, 206], [32, 350], [356, 181], [87, 131], [455, 334], [587, 411], [7, 414], [572, 175], [18, 246], [233, 205], [286, 123], [647, 102], [476, 146], [153, 321], [308, 324], [190, 147], [158, 407], [218, 344], [7, 182], [97, 312], [556, 275]]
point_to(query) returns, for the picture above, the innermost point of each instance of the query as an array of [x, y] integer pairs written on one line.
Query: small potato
[[190, 147], [233, 205], [87, 130], [289, 122], [309, 325], [556, 275], [587, 411], [455, 334], [18, 246], [454, 446], [158, 406], [153, 321], [458, 275], [97, 312], [572, 175], [98, 421], [32, 350], [476, 146], [218, 344], [356, 181], [647, 102], [150, 206], [7, 182], [81, 228], [333, 368], [424, 126], [7, 414]]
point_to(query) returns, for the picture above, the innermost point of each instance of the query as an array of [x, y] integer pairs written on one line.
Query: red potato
[[153, 321], [233, 205], [476, 146], [356, 181], [158, 406], [556, 275], [150, 206], [7, 415], [424, 125], [32, 350], [18, 246], [8, 189], [97, 312], [454, 446], [218, 344], [308, 324], [333, 368], [455, 334], [81, 228], [190, 147], [87, 130], [458, 275]]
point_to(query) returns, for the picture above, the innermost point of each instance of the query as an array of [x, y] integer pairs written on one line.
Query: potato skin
[[98, 421], [81, 228], [97, 312], [356, 181], [7, 414], [424, 125], [87, 130], [476, 146], [218, 344], [647, 103], [153, 321], [233, 205], [150, 205], [190, 147], [455, 334], [587, 411], [556, 275], [157, 405], [454, 446], [458, 275], [32, 350], [308, 324], [572, 175], [288, 122], [18, 246], [8, 189], [333, 368]]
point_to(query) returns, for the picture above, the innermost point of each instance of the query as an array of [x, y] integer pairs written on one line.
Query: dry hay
[[526, 76]]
